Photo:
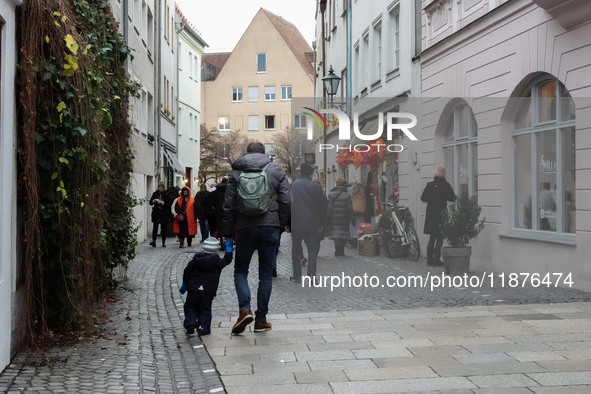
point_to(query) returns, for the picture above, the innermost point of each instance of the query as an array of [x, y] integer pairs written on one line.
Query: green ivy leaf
[[53, 176], [64, 160], [61, 106]]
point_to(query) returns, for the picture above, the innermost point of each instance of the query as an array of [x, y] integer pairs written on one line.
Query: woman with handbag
[[185, 223], [340, 214]]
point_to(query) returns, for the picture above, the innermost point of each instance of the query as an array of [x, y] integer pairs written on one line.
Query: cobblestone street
[[144, 348]]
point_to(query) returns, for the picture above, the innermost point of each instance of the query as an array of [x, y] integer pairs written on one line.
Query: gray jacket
[[279, 210], [308, 205]]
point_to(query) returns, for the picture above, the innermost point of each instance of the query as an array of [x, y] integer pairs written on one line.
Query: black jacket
[[217, 200], [202, 274], [308, 205], [279, 209], [160, 213], [436, 194], [199, 207], [340, 213]]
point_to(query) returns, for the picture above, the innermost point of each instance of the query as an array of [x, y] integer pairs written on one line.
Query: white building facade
[[138, 30], [506, 87], [190, 48], [11, 295], [384, 77]]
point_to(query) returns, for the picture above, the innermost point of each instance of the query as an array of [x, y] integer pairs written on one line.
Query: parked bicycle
[[401, 238]]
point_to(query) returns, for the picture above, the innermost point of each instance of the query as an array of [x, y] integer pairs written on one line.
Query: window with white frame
[[543, 157], [269, 93], [144, 17], [377, 51], [236, 95], [137, 16], [223, 123], [150, 32], [253, 93], [253, 122], [394, 37], [196, 63], [261, 62], [191, 60], [286, 92], [299, 121], [356, 86], [460, 153], [269, 122]]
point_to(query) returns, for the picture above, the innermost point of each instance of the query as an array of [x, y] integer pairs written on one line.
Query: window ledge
[[375, 85], [392, 74], [543, 236], [363, 93]]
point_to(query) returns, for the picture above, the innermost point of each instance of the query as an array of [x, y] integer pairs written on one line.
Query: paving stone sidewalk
[[150, 352]]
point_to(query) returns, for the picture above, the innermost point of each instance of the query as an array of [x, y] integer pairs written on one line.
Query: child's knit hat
[[211, 245]]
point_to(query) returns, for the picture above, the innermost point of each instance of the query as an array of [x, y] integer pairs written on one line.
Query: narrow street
[[397, 339]]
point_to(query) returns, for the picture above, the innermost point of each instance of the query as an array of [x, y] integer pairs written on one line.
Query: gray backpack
[[254, 196]]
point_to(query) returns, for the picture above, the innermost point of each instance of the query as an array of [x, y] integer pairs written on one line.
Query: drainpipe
[[158, 54], [349, 57], [322, 9]]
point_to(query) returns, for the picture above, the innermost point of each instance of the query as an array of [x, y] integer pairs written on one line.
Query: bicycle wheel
[[413, 249], [392, 245]]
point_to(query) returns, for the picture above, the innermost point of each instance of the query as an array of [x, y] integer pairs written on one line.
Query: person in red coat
[[185, 223]]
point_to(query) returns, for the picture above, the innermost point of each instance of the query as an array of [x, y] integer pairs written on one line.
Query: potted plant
[[459, 225]]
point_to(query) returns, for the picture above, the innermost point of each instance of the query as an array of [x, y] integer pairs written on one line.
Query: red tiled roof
[[184, 18], [217, 59], [294, 40]]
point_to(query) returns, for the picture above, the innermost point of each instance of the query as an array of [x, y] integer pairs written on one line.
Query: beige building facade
[[251, 88]]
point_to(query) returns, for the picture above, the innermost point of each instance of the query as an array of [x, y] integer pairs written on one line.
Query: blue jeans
[[265, 240], [204, 227]]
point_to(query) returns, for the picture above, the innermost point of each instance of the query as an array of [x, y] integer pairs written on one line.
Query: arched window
[[543, 158], [460, 155]]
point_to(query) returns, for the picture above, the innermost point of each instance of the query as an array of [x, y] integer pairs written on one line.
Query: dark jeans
[[162, 231], [204, 228], [433, 238], [212, 223], [312, 239], [339, 247], [265, 240], [198, 311]]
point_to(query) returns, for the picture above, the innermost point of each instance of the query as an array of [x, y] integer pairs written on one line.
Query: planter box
[[456, 260]]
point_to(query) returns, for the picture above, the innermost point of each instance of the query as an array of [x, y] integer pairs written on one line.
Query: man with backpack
[[257, 205]]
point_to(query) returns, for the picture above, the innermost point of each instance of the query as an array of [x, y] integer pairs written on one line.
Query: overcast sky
[[222, 22]]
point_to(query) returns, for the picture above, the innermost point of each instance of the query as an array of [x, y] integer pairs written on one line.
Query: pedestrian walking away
[[217, 201], [308, 216], [185, 222], [160, 213], [209, 209], [200, 212], [201, 279], [436, 194], [256, 205], [340, 214]]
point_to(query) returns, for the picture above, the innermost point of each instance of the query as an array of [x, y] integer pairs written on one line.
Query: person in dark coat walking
[[200, 212], [436, 194], [340, 214], [217, 199], [201, 279], [160, 213], [210, 212], [308, 216]]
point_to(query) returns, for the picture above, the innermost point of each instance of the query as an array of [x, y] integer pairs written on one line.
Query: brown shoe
[[244, 319], [261, 326]]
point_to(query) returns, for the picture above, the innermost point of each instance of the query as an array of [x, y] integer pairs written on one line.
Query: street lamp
[[331, 84]]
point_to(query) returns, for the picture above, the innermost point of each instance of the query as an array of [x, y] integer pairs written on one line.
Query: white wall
[[8, 291], [189, 119]]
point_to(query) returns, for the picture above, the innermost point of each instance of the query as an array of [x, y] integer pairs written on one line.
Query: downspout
[[159, 89], [349, 57], [324, 102]]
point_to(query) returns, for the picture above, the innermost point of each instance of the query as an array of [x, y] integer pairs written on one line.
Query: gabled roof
[[189, 26], [217, 59], [294, 40]]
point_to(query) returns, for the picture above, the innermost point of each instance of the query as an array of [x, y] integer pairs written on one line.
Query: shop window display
[[544, 159]]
